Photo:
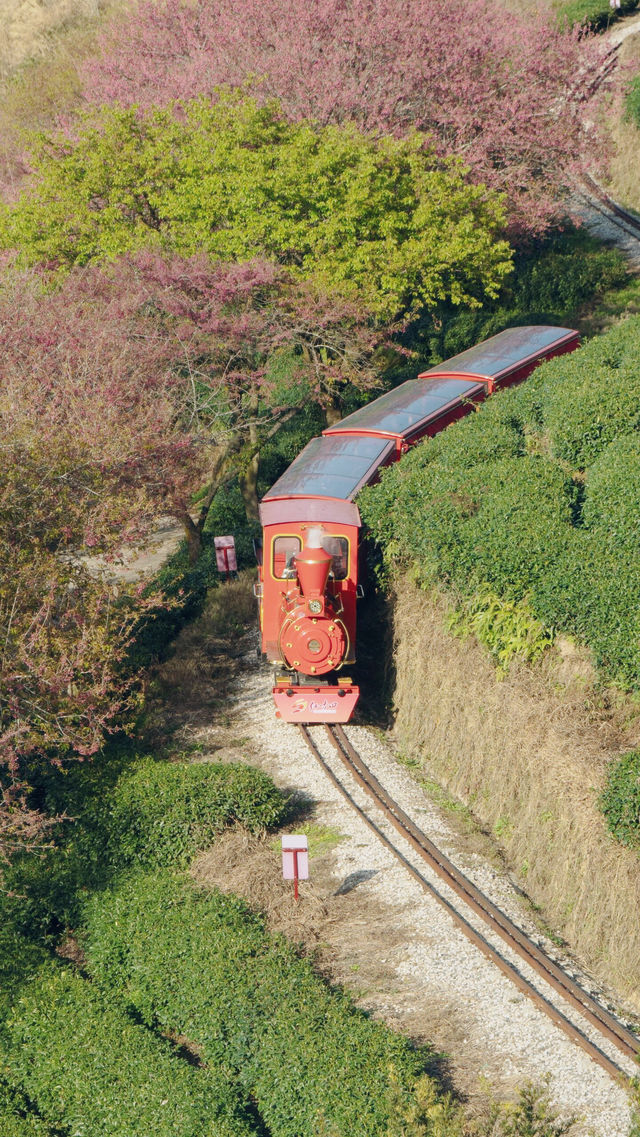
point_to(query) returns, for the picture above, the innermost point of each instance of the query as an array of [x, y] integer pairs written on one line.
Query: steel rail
[[484, 908], [592, 1010]]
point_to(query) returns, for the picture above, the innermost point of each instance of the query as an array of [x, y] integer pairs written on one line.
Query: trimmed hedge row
[[17, 1119], [200, 963], [88, 1066], [163, 813], [128, 809], [536, 497]]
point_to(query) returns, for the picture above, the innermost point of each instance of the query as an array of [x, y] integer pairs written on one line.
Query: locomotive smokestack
[[313, 564]]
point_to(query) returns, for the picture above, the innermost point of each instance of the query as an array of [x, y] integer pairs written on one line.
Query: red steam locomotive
[[308, 579]]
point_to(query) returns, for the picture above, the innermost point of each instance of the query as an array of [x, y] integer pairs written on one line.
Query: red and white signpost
[[226, 561], [295, 859]]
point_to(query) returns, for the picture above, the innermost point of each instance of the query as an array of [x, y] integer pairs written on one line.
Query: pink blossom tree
[[499, 89], [125, 390]]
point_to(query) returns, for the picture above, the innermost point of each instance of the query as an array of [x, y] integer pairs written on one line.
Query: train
[[309, 570]]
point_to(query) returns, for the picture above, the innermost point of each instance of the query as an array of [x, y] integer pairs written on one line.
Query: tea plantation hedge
[[128, 809], [535, 496], [201, 964], [87, 1066]]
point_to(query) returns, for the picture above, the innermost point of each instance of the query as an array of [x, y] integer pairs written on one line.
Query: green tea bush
[[620, 800], [124, 809], [200, 963], [610, 505], [87, 1066], [535, 497], [162, 813], [17, 1118]]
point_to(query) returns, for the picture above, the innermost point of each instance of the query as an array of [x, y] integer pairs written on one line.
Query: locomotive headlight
[[314, 646], [315, 607]]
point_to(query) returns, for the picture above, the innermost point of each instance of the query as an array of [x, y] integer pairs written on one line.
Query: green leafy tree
[[383, 220]]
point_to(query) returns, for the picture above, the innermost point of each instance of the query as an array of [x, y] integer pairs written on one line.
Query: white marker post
[[295, 860]]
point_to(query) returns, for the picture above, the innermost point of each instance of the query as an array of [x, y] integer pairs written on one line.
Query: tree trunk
[[193, 535], [249, 488], [333, 414], [248, 479]]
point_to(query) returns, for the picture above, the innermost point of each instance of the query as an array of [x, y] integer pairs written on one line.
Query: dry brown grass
[[528, 755], [41, 44], [249, 866], [206, 657], [35, 29]]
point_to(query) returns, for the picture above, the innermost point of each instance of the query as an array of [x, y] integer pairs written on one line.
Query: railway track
[[588, 192], [609, 1028]]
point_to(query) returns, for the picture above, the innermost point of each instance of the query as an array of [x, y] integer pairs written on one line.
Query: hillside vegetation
[[533, 500]]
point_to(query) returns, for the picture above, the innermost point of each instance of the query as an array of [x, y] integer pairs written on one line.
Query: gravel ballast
[[436, 985]]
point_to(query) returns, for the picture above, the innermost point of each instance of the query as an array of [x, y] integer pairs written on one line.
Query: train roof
[[402, 411], [507, 351], [332, 467], [406, 409]]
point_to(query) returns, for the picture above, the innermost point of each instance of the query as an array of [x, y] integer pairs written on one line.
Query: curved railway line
[[607, 1026]]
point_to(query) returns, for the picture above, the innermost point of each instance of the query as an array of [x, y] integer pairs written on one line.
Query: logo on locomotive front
[[324, 707]]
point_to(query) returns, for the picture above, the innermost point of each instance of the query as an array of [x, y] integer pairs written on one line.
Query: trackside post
[[295, 859]]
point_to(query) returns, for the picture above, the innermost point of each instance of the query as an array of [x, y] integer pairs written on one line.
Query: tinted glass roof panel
[[502, 352], [400, 410], [334, 466]]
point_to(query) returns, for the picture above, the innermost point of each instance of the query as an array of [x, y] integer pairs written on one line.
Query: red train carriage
[[309, 573]]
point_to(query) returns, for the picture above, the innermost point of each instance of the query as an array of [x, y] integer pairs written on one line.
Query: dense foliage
[[169, 960], [594, 14], [484, 83], [534, 496], [382, 220], [620, 800], [128, 809], [301, 1051], [87, 1066]]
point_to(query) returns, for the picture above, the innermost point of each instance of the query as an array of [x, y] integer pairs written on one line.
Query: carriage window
[[284, 550], [339, 549]]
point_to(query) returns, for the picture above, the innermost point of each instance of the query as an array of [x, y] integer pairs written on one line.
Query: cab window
[[284, 550], [338, 547]]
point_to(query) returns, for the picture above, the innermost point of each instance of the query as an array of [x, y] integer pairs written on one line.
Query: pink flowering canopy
[[497, 89]]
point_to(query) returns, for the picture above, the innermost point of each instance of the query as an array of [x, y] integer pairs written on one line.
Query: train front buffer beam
[[305, 704]]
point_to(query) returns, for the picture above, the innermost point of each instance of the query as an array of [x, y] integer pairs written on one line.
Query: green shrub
[[610, 505], [162, 813], [620, 800], [596, 14], [20, 959], [299, 1049], [632, 102], [126, 809], [17, 1118], [88, 1066]]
